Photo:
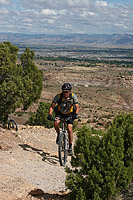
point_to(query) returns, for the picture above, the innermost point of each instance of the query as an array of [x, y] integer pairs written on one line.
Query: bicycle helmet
[[66, 87]]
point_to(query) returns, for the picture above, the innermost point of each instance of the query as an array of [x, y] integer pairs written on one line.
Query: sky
[[66, 16]]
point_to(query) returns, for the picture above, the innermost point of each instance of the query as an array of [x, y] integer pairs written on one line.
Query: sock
[[70, 146]]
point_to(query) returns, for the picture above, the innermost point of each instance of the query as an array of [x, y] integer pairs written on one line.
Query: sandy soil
[[29, 165]]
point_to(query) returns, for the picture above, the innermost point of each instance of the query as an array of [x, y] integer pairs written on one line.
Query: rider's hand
[[49, 117], [75, 116]]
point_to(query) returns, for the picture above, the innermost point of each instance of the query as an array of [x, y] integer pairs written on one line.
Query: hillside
[[101, 40], [102, 90]]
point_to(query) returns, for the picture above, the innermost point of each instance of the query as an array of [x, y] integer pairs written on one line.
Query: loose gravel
[[33, 156]]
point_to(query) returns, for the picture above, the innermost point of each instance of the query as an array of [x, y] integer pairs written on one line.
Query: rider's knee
[[69, 128], [56, 123]]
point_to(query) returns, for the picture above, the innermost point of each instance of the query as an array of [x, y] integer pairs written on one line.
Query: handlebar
[[65, 119], [62, 119]]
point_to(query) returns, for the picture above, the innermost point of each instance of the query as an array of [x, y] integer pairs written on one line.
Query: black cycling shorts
[[59, 114]]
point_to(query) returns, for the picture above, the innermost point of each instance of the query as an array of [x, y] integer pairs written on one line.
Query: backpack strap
[[61, 96], [71, 97], [74, 108]]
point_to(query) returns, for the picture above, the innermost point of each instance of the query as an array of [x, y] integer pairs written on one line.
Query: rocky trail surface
[[29, 165]]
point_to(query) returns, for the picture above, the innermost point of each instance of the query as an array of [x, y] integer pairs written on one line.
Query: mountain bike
[[63, 142], [10, 123]]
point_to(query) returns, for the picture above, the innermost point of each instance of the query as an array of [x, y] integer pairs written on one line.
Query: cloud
[[78, 3], [91, 13], [27, 20], [101, 3], [4, 11], [86, 14], [5, 2], [66, 16], [48, 12], [56, 4]]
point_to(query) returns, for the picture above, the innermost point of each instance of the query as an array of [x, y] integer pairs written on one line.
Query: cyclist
[[67, 107]]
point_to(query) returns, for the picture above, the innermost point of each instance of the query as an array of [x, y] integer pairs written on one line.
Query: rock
[[4, 147], [36, 192]]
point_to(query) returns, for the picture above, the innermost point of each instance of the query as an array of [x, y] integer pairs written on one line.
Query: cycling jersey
[[65, 106]]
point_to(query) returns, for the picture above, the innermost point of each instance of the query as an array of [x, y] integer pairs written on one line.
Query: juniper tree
[[102, 166], [19, 85], [31, 78]]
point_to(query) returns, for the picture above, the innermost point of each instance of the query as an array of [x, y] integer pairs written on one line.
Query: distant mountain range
[[70, 39]]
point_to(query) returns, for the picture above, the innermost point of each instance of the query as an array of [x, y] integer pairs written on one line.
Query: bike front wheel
[[62, 149], [12, 125]]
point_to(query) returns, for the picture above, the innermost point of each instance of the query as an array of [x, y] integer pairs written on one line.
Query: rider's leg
[[56, 126], [70, 133], [70, 136]]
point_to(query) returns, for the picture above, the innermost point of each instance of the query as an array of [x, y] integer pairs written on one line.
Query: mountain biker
[[67, 102]]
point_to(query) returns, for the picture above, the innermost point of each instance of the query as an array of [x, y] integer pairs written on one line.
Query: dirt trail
[[29, 160]]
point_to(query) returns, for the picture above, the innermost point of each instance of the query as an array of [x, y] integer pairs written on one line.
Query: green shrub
[[94, 120], [75, 125], [123, 124], [20, 84], [79, 120], [40, 117], [88, 121], [102, 166]]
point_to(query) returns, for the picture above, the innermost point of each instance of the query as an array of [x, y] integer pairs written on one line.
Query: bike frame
[[63, 143]]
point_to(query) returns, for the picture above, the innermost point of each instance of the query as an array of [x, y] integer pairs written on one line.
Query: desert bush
[[88, 121], [94, 120], [123, 125], [102, 166], [100, 123], [40, 117], [75, 123]]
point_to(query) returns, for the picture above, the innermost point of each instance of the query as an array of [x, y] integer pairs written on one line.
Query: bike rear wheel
[[12, 125], [62, 149], [5, 125]]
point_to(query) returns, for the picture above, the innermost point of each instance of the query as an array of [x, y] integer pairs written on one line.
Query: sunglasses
[[65, 91]]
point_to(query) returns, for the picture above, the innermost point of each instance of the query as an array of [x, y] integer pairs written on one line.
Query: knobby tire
[[62, 149], [12, 125]]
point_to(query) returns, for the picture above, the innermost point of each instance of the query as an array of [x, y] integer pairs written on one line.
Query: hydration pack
[[66, 106]]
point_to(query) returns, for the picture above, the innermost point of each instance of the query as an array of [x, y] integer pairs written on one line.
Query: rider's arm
[[55, 100], [75, 100], [51, 108], [77, 108]]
